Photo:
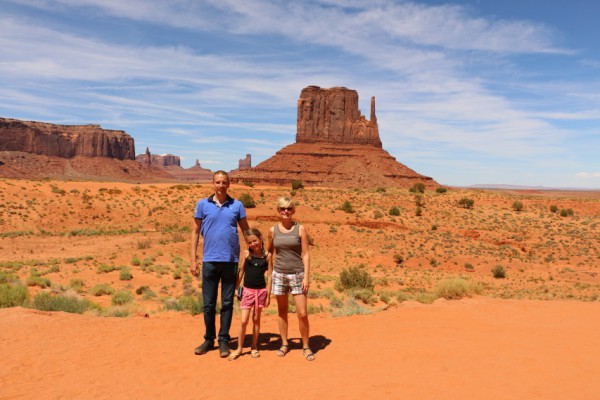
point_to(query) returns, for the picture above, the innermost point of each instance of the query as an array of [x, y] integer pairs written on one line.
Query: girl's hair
[[285, 202], [255, 232]]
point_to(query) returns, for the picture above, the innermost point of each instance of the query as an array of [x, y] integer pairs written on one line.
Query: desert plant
[[13, 295], [398, 259], [77, 284], [566, 212], [354, 278], [247, 200], [377, 214], [248, 183], [297, 185], [101, 289], [347, 207], [36, 280], [441, 189], [125, 274], [135, 261], [456, 288], [419, 211], [44, 301], [517, 206], [380, 189], [121, 297], [419, 200], [105, 268], [144, 244], [498, 272], [350, 308], [553, 208], [465, 202], [395, 211], [417, 188]]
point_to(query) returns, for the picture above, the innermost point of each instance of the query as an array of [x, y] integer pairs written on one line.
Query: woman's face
[[286, 212]]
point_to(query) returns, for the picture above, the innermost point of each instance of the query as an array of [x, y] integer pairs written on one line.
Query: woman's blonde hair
[[284, 202]]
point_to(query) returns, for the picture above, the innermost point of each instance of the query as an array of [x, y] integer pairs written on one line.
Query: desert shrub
[[365, 295], [44, 301], [380, 189], [36, 280], [553, 208], [419, 211], [469, 266], [377, 214], [135, 261], [419, 200], [335, 302], [76, 284], [105, 268], [248, 183], [118, 311], [125, 274], [121, 297], [142, 290], [517, 206], [191, 304], [566, 212], [101, 289], [8, 277], [145, 243], [425, 298], [498, 272], [347, 207], [297, 185], [441, 189], [13, 295], [456, 288], [465, 202], [417, 188], [398, 259], [350, 308], [354, 278], [247, 200], [395, 211]]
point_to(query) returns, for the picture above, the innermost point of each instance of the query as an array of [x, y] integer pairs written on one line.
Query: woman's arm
[[305, 257]]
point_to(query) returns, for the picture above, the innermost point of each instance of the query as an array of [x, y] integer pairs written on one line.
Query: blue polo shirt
[[219, 228]]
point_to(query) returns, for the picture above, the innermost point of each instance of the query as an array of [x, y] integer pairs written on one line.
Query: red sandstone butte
[[335, 146]]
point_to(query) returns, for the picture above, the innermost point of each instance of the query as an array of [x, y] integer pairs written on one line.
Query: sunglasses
[[286, 208]]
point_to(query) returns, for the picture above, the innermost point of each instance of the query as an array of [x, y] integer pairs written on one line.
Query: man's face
[[221, 184]]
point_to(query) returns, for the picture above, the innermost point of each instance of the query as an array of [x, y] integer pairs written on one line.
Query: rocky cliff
[[332, 116], [65, 141]]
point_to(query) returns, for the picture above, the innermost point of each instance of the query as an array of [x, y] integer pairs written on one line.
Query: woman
[[288, 242]]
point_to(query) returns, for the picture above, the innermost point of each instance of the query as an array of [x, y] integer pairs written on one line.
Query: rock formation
[[245, 162], [335, 147], [332, 116], [149, 160], [65, 141]]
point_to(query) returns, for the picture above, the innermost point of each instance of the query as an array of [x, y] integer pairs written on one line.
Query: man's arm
[[243, 223], [194, 269]]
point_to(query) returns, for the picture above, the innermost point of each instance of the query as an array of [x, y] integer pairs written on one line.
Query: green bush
[[517, 206], [35, 280], [297, 185], [135, 261], [465, 202], [105, 268], [395, 211], [553, 208], [566, 212], [441, 189], [247, 200], [354, 278], [191, 304], [13, 295], [398, 259], [101, 289], [125, 274], [121, 297], [77, 285], [419, 211], [498, 272], [456, 288], [380, 189], [377, 214], [417, 188], [71, 304], [347, 207], [248, 183]]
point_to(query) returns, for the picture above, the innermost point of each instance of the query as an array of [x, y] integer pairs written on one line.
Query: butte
[[335, 146]]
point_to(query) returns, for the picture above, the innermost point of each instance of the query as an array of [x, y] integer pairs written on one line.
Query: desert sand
[[531, 334]]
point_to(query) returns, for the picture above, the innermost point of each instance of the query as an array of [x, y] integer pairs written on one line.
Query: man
[[216, 219]]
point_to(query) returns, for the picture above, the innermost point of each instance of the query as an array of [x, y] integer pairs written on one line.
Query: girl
[[257, 289], [288, 240]]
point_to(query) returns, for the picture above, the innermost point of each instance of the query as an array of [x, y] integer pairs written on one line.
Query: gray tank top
[[288, 251]]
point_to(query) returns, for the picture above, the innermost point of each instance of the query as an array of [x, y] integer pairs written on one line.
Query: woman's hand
[[305, 285]]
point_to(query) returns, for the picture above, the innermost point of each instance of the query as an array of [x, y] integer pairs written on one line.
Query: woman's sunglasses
[[286, 208]]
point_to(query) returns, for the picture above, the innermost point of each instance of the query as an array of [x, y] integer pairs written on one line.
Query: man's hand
[[194, 268]]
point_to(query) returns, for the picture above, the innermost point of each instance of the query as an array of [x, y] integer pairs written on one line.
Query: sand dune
[[471, 349]]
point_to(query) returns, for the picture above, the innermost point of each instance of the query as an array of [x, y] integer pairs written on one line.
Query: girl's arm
[[305, 258], [241, 266]]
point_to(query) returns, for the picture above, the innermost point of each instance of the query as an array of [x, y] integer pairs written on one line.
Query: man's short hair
[[221, 172]]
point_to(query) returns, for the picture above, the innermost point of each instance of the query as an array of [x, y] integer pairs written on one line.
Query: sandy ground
[[477, 348]]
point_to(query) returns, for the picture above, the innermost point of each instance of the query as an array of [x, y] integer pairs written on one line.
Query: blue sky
[[468, 92]]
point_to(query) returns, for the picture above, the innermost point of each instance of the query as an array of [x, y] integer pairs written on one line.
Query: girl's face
[[254, 243]]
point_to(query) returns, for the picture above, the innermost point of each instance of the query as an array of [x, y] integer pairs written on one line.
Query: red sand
[[471, 349]]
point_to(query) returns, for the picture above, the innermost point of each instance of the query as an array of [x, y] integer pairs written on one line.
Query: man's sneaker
[[223, 349], [204, 348]]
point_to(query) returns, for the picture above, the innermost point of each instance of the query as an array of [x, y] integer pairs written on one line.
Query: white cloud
[[588, 175]]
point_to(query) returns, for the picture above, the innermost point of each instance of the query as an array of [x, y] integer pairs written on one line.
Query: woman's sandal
[[234, 356], [309, 355], [254, 353], [281, 352]]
